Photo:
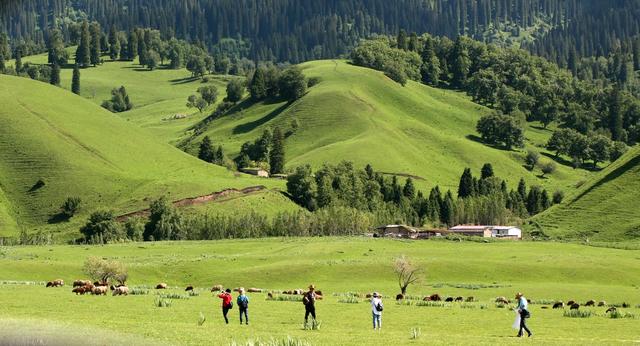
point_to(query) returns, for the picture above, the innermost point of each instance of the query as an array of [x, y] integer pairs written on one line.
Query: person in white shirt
[[376, 308], [524, 314]]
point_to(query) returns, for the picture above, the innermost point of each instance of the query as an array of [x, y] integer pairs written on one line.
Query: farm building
[[506, 232], [256, 171], [403, 231]]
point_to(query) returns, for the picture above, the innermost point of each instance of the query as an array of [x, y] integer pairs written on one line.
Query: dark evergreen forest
[[299, 30]]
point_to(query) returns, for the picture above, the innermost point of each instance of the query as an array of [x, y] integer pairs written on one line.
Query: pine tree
[[5, 51], [430, 69], [75, 82], [487, 171], [615, 114], [636, 54], [258, 85], [142, 51], [219, 157], [522, 189], [18, 57], [461, 63], [206, 152], [409, 189], [402, 40], [466, 188], [114, 44], [83, 52], [276, 155], [96, 36], [572, 63], [447, 213], [54, 79], [133, 45]]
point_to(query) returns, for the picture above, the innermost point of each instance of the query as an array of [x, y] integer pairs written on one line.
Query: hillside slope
[[54, 144], [360, 115], [604, 208]]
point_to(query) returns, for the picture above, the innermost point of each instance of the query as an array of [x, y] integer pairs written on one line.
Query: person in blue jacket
[[243, 306], [524, 314]]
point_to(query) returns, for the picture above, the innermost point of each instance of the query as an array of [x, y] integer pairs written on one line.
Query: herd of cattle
[[101, 288]]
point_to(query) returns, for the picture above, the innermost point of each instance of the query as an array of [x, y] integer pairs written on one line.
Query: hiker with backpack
[[377, 307], [309, 301], [523, 311], [243, 305], [227, 303]]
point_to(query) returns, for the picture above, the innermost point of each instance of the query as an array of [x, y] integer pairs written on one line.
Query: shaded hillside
[[54, 144], [605, 207]]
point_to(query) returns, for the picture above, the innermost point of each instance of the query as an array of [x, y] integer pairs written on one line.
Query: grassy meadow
[[545, 272]]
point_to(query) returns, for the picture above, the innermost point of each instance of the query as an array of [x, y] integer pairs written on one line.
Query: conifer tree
[[206, 152], [75, 81], [402, 40], [258, 85], [276, 155], [133, 45], [487, 171], [461, 63], [466, 188], [96, 36], [615, 114], [83, 52], [409, 189], [54, 79], [114, 44], [5, 51], [430, 69], [522, 189]]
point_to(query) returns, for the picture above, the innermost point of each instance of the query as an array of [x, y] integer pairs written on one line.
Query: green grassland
[[604, 208], [358, 114], [543, 271], [79, 149]]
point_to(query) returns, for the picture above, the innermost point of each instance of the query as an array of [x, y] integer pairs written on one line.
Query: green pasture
[[545, 272]]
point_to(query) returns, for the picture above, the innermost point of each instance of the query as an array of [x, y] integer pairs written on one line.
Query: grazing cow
[[217, 288], [78, 290], [318, 293], [254, 290], [574, 306], [626, 305], [435, 297], [459, 299], [558, 305], [161, 286], [298, 291], [121, 291], [611, 309], [100, 283], [470, 299], [80, 283], [502, 300], [55, 283], [571, 302], [399, 296], [368, 295], [189, 288], [602, 303], [50, 284], [270, 295], [99, 290], [590, 303], [449, 299]]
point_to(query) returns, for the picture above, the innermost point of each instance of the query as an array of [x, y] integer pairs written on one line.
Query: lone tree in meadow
[[75, 81], [406, 272], [194, 101], [547, 168], [102, 270], [119, 101]]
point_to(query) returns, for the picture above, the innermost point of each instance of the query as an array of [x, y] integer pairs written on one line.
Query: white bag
[[516, 323]]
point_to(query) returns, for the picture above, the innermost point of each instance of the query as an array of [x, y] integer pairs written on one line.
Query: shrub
[[103, 270], [162, 302], [193, 294], [313, 81], [547, 168], [70, 206], [119, 101], [618, 314], [558, 196], [578, 313], [101, 228], [532, 159]]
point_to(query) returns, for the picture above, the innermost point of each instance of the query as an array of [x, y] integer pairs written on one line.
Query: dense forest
[[299, 30]]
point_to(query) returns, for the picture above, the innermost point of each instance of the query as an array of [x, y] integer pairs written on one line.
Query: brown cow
[[558, 305], [502, 300], [574, 306], [121, 291], [254, 290], [449, 299], [590, 303], [80, 283], [571, 302], [100, 290], [78, 290], [470, 299], [161, 286], [270, 295], [602, 303], [459, 299], [399, 296], [611, 309], [435, 297], [189, 288], [217, 288], [55, 283]]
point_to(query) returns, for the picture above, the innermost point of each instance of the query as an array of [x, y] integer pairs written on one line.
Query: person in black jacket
[[309, 301]]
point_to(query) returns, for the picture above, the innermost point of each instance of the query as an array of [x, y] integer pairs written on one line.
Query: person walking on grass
[[227, 303], [524, 314], [376, 308], [243, 305], [309, 301]]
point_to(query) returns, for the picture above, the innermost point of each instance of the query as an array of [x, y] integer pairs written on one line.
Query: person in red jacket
[[226, 303]]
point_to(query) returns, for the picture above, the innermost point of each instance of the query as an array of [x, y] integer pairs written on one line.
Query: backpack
[[243, 303], [305, 299], [379, 307]]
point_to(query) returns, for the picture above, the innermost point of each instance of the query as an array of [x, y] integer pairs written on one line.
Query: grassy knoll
[[606, 207], [54, 144], [360, 115], [544, 271]]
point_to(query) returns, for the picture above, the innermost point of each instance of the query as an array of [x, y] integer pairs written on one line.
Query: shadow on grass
[[479, 140], [58, 218], [250, 126], [183, 80], [565, 162], [541, 128]]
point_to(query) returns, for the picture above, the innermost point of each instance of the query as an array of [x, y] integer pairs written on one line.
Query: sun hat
[[312, 287], [375, 294]]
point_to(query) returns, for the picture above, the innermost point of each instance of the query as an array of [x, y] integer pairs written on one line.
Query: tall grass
[[578, 313], [201, 319], [617, 314], [287, 341], [349, 300], [162, 302], [312, 325], [138, 291], [173, 296], [285, 298], [415, 333]]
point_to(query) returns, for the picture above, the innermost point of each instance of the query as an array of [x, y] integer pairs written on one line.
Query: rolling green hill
[[360, 115], [604, 208], [54, 144]]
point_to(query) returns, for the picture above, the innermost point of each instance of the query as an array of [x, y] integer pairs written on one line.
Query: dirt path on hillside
[[191, 201]]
